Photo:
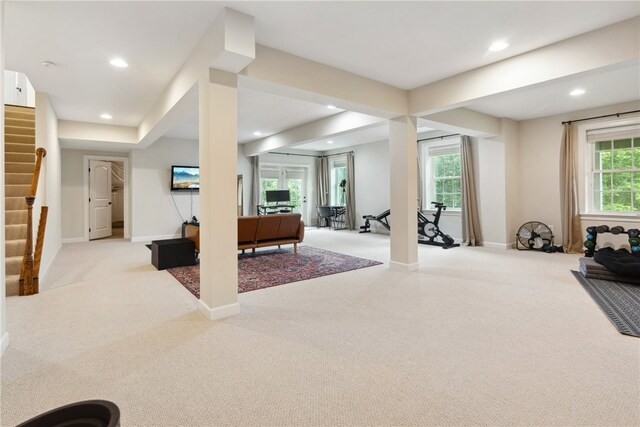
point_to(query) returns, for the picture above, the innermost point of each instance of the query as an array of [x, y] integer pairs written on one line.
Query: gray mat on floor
[[619, 301]]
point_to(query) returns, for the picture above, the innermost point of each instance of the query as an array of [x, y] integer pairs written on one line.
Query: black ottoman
[[173, 253]]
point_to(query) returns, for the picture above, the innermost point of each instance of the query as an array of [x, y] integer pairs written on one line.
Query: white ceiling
[[606, 88], [405, 44], [357, 137], [259, 111]]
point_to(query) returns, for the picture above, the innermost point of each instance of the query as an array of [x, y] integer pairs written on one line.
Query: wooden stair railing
[[28, 274]]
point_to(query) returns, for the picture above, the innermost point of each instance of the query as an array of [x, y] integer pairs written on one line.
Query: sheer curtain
[[471, 234], [350, 194], [571, 233], [255, 185]]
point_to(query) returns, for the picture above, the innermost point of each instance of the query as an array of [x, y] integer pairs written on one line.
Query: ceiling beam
[[228, 45], [280, 73], [609, 46], [327, 127], [465, 122], [76, 134]]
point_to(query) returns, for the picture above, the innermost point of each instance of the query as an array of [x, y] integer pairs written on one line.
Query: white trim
[[4, 343], [73, 240], [448, 212], [586, 162], [85, 203], [400, 266], [502, 246], [157, 237], [631, 218], [218, 312]]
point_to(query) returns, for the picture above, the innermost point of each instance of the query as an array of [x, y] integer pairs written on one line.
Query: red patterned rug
[[277, 267]]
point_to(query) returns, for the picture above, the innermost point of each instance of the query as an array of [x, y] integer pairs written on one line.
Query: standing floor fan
[[534, 235]]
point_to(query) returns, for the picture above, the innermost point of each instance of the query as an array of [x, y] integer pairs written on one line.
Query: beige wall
[[154, 214], [49, 188], [73, 218], [538, 166]]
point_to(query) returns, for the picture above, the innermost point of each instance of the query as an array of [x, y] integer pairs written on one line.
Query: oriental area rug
[[277, 267]]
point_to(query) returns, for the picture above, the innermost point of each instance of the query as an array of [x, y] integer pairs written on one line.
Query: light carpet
[[474, 337]]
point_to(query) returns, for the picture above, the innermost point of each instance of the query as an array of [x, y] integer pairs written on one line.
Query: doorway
[[106, 203], [285, 177]]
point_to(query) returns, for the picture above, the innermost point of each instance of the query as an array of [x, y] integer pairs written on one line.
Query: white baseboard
[[4, 343], [73, 240], [400, 266], [218, 312], [503, 246], [158, 237]]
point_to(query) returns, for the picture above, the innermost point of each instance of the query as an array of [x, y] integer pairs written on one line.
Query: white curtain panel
[[350, 194], [255, 185]]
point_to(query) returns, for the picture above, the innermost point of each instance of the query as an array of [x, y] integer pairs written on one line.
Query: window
[[442, 174], [338, 174], [615, 169], [274, 177]]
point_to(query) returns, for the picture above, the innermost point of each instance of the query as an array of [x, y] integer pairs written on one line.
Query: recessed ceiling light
[[257, 133], [106, 116], [48, 64], [498, 45], [119, 62], [577, 92], [329, 142], [331, 107]]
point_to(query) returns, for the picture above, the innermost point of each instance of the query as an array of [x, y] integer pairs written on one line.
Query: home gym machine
[[592, 237], [428, 231]]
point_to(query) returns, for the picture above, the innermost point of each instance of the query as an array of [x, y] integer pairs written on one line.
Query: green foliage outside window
[[616, 175], [446, 180], [267, 184]]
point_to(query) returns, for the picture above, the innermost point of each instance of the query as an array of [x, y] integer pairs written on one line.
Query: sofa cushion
[[288, 226], [247, 227], [268, 227]]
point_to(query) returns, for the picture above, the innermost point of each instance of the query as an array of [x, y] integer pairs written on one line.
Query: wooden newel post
[[26, 285]]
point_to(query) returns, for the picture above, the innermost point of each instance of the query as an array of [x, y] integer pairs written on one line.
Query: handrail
[[26, 285]]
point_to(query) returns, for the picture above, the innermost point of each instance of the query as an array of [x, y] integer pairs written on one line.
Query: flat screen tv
[[185, 178], [278, 196]]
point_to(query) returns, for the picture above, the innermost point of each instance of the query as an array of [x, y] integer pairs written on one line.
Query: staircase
[[19, 164]]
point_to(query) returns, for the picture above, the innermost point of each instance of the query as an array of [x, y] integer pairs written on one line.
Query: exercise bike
[[428, 231]]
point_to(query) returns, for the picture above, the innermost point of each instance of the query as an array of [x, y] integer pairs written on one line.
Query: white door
[[99, 199], [296, 182]]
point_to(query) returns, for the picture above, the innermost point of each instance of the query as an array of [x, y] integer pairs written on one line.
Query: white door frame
[[85, 203]]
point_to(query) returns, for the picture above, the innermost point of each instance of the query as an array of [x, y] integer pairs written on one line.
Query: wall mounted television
[[185, 178], [277, 196]]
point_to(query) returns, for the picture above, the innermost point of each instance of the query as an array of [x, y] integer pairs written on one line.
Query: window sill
[[444, 213], [604, 216]]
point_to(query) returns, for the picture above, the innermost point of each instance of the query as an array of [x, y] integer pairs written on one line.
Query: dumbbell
[[592, 230], [602, 228], [589, 244], [617, 230], [634, 232]]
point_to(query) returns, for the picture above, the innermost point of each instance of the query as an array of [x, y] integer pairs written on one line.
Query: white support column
[[218, 99], [4, 336], [403, 169]]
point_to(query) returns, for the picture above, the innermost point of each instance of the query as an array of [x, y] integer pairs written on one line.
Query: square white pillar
[[4, 336], [403, 170], [218, 99]]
